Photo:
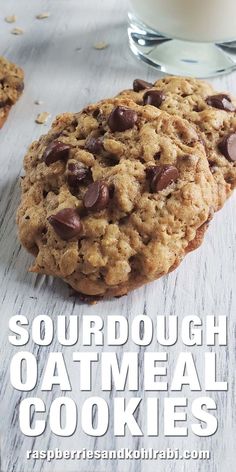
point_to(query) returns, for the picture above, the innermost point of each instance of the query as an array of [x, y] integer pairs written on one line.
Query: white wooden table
[[63, 70]]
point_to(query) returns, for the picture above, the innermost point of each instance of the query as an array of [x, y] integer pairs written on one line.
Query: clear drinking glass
[[184, 37]]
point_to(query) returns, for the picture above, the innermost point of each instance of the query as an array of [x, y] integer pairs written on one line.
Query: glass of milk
[[184, 37]]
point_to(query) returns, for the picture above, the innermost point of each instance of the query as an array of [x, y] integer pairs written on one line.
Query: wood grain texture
[[64, 71]]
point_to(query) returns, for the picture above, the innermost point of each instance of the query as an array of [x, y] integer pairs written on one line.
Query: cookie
[[11, 87], [213, 115], [114, 197]]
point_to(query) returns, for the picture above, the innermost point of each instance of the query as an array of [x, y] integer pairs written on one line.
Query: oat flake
[[42, 117], [10, 19], [100, 45], [17, 31], [42, 16]]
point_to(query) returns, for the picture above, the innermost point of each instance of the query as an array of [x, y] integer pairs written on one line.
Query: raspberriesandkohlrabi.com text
[[158, 362]]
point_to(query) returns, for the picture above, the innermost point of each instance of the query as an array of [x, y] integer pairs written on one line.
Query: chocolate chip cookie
[[11, 87], [114, 196], [212, 114]]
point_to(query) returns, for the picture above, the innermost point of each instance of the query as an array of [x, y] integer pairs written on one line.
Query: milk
[[192, 20]]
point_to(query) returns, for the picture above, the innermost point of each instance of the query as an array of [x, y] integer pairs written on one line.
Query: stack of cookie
[[115, 196]]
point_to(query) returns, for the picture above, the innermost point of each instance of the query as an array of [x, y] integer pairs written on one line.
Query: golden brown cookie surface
[[113, 196], [11, 87], [213, 114]]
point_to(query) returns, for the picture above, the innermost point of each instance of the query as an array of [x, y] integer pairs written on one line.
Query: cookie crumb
[[17, 31], [10, 18], [100, 45], [89, 299], [43, 16], [42, 117], [38, 102]]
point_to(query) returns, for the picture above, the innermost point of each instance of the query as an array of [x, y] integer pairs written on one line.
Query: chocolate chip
[[20, 86], [77, 173], [66, 223], [122, 118], [56, 151], [151, 171], [4, 103], [228, 147], [197, 108], [154, 98], [157, 156], [93, 144], [95, 112], [110, 160], [139, 84], [212, 162], [221, 101], [97, 196], [111, 190], [161, 176]]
